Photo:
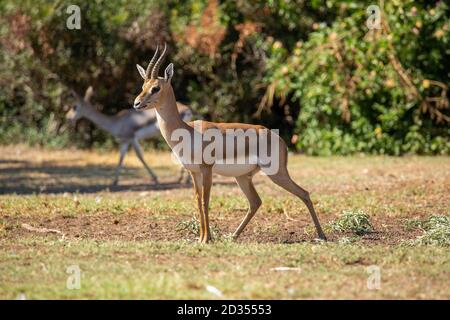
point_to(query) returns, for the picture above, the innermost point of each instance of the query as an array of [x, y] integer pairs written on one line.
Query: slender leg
[[283, 179], [123, 151], [140, 155], [207, 182], [181, 179], [254, 201], [187, 179], [198, 186]]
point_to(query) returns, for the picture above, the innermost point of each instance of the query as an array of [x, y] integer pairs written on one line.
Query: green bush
[[436, 231], [369, 91], [356, 222], [332, 86], [43, 60]]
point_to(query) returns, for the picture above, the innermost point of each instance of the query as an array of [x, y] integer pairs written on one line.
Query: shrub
[[332, 84], [368, 91], [436, 230], [192, 227], [357, 222]]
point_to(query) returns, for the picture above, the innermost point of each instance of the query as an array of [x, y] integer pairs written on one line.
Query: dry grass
[[137, 241]]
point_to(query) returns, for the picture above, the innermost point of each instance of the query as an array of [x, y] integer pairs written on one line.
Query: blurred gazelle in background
[[128, 127]]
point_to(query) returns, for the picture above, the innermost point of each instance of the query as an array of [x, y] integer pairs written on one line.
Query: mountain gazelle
[[157, 93], [128, 127]]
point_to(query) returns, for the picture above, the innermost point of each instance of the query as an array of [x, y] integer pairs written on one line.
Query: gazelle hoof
[[323, 237], [205, 239]]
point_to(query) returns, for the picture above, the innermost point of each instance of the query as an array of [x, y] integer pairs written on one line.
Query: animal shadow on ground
[[22, 177]]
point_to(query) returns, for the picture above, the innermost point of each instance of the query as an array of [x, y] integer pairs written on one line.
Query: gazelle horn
[[152, 62], [158, 63]]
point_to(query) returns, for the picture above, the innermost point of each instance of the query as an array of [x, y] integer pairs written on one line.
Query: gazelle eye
[[155, 90]]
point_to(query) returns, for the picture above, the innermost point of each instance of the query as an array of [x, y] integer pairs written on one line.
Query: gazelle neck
[[169, 118], [102, 120]]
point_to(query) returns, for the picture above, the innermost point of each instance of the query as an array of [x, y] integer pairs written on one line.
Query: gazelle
[[128, 127], [157, 93]]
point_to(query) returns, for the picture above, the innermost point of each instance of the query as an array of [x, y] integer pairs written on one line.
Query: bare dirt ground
[[137, 240], [396, 189], [138, 227]]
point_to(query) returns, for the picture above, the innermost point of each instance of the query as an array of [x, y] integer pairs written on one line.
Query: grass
[[138, 241], [149, 270], [192, 227], [356, 222], [436, 230]]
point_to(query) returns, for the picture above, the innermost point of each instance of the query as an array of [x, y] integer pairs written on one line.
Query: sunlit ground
[[139, 241]]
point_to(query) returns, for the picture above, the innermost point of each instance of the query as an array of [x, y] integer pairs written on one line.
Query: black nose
[[136, 104]]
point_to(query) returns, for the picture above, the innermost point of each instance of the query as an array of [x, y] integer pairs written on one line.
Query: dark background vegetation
[[309, 68]]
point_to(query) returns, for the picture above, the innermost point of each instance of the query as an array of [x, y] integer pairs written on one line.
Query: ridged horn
[[152, 62], [158, 63]]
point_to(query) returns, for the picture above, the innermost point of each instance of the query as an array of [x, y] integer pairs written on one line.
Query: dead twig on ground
[[42, 230]]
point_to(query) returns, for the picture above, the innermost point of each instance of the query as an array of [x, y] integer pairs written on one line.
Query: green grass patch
[[357, 222], [436, 230], [192, 227], [38, 268]]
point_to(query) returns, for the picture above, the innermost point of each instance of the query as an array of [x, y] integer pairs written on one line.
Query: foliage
[[368, 91], [357, 222], [43, 59], [308, 68], [436, 230], [192, 227]]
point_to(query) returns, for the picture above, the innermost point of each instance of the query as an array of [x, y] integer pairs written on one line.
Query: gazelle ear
[[88, 94], [168, 73], [141, 71]]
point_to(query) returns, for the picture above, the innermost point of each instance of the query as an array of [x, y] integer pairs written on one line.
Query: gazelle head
[[81, 103], [154, 87]]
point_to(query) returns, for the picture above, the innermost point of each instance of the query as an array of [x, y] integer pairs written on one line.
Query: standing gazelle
[[158, 93], [127, 127]]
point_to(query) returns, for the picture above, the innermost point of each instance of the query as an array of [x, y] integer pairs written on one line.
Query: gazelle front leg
[[123, 151], [254, 201], [198, 187], [207, 182]]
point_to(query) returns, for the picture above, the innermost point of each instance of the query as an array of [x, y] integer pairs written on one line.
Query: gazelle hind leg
[[254, 201], [198, 188], [184, 176], [283, 179], [140, 155], [180, 179], [123, 151]]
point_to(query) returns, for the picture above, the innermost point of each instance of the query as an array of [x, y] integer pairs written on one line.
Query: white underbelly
[[227, 170], [147, 132], [234, 170]]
